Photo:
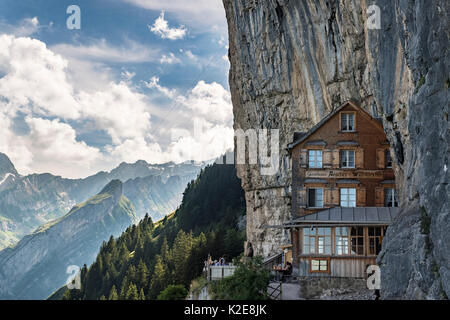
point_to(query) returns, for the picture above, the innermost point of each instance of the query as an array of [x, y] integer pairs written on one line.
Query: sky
[[140, 80]]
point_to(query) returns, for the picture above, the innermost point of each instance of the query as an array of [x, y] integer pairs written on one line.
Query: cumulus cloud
[[154, 84], [162, 29], [200, 14], [34, 83], [118, 110], [35, 78], [52, 141], [25, 27], [211, 101], [169, 59]]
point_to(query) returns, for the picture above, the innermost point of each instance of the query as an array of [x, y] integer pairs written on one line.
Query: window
[[390, 197], [309, 240], [357, 240], [317, 265], [324, 240], [315, 197], [347, 158], [347, 121], [315, 158], [348, 197], [375, 239], [342, 240], [317, 240], [388, 159]]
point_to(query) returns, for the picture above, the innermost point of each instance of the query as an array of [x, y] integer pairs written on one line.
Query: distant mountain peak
[[6, 166], [113, 188]]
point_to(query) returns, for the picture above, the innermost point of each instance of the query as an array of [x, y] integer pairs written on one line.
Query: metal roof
[[339, 215]]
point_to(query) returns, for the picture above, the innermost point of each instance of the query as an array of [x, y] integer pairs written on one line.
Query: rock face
[[37, 265], [292, 62]]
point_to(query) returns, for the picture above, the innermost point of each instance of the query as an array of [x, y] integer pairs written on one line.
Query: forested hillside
[[150, 256]]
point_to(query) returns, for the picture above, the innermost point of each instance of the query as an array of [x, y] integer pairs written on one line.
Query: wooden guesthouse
[[343, 194]]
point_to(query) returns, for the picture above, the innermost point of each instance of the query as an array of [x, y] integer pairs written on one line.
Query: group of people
[[210, 262], [283, 271]]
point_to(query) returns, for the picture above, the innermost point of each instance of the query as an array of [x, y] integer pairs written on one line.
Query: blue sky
[[141, 79]]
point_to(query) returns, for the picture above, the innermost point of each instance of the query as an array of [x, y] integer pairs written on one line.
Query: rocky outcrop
[[292, 62], [37, 265]]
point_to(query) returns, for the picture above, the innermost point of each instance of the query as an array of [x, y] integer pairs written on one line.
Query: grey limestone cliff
[[293, 61]]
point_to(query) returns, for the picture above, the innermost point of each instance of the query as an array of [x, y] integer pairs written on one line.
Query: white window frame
[[313, 158], [315, 198], [342, 240], [345, 119], [393, 195], [345, 200], [345, 153]]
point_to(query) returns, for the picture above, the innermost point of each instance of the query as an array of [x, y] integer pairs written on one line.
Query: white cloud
[[25, 27], [53, 144], [154, 84], [118, 110], [100, 50], [211, 101], [162, 29], [127, 75], [190, 55], [35, 78], [37, 83], [170, 59], [204, 15]]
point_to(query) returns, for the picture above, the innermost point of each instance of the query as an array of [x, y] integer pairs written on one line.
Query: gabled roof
[[348, 216], [299, 137]]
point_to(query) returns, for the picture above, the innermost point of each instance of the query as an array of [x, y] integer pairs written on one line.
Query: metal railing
[[220, 272]]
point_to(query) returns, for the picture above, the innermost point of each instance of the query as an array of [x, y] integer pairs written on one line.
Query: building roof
[[302, 136], [348, 216]]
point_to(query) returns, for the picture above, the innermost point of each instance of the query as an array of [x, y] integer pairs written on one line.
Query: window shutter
[[379, 197], [335, 161], [327, 160], [361, 197], [359, 158], [327, 197], [303, 159], [334, 196], [380, 158], [302, 198]]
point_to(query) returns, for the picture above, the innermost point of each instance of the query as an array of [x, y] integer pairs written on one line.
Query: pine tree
[[142, 274], [141, 294], [132, 292], [159, 278], [113, 294]]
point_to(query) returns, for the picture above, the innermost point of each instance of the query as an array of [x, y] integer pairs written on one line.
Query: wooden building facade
[[338, 242], [339, 167]]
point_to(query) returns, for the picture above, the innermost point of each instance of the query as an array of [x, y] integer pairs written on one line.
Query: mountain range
[[27, 202], [39, 263]]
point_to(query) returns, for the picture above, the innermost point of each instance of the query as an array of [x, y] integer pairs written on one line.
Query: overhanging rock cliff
[[292, 62]]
